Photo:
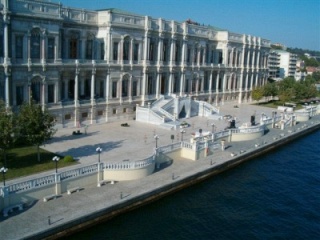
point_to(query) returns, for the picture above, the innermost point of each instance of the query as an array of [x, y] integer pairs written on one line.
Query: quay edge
[[124, 206]]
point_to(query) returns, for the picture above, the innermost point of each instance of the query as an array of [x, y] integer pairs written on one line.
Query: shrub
[[68, 158]]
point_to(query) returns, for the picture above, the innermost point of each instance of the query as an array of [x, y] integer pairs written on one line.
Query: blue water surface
[[276, 196]]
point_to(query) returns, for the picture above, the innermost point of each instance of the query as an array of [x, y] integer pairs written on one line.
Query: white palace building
[[90, 67]]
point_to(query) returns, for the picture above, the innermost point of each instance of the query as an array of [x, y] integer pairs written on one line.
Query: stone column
[[170, 82], [131, 51], [172, 50], [29, 47], [93, 84], [107, 86], [7, 75], [43, 47], [43, 95], [144, 85], [121, 50], [184, 51], [57, 55], [182, 82], [146, 47], [160, 49], [76, 87], [159, 74]]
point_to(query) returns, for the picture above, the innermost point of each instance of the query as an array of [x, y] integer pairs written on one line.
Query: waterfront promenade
[[129, 143]]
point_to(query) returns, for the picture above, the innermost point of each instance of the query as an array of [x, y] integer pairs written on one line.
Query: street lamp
[[212, 125], [182, 132], [3, 170], [99, 150], [56, 159], [156, 137]]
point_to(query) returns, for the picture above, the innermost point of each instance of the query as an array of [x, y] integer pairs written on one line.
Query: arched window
[[36, 90], [126, 49], [35, 44], [125, 86]]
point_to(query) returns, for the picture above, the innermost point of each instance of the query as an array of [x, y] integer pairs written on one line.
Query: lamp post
[[99, 150], [182, 132], [56, 159], [3, 170], [213, 126], [156, 137]]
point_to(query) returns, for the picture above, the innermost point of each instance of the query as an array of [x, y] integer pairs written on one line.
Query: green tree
[[7, 130], [287, 90], [36, 125], [316, 76], [257, 93], [270, 90]]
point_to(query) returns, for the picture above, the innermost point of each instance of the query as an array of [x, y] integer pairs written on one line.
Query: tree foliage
[[257, 93], [291, 90], [7, 130], [270, 90], [36, 124]]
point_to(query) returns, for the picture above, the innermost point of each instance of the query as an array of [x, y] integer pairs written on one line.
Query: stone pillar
[[76, 98], [121, 50], [170, 82], [131, 51], [29, 47], [182, 83], [43, 93], [172, 50], [57, 52], [93, 84], [160, 49], [43, 48], [159, 74], [146, 47], [7, 76], [107, 86], [144, 85]]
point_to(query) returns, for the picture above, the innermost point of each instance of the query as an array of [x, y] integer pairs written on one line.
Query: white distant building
[[97, 66], [287, 63]]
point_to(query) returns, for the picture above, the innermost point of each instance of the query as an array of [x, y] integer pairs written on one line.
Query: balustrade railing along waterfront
[[93, 168]]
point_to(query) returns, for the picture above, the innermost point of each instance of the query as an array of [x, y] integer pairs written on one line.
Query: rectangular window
[[67, 116], [101, 90], [84, 115], [73, 48], [115, 51], [102, 51], [51, 48], [150, 85], [100, 113], [1, 45], [114, 111], [114, 89], [89, 49], [134, 88], [19, 46], [136, 52], [188, 55], [50, 93], [19, 95], [165, 50], [151, 51], [124, 110], [220, 58], [35, 46]]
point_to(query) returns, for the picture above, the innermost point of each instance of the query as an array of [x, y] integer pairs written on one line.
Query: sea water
[[275, 196]]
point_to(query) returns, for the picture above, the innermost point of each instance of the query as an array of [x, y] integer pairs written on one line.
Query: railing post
[[58, 184], [5, 195]]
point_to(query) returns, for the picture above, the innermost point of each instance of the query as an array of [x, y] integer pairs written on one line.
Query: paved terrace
[[121, 143]]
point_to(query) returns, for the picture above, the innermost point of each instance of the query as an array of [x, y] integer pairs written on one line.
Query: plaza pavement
[[122, 143]]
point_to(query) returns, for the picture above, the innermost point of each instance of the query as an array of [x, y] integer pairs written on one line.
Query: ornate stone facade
[[96, 66]]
